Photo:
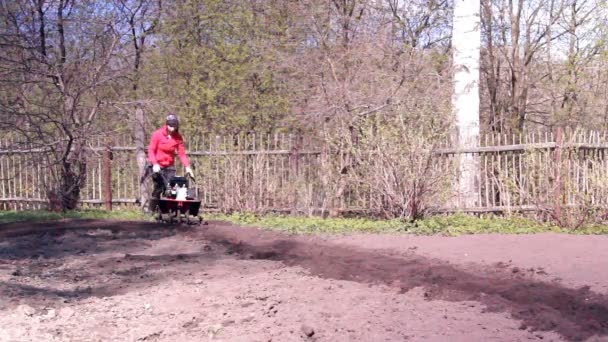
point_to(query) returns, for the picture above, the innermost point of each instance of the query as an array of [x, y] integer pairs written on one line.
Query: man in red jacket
[[164, 143]]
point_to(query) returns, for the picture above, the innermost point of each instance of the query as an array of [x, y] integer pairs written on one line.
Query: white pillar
[[466, 43]]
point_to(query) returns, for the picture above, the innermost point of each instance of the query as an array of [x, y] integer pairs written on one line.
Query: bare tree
[[422, 23], [142, 18], [584, 48], [515, 34], [57, 68], [537, 57]]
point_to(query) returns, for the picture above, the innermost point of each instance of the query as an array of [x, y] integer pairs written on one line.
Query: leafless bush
[[565, 184]]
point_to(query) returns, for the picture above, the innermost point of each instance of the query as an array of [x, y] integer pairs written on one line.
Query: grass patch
[[43, 215], [311, 225], [452, 225]]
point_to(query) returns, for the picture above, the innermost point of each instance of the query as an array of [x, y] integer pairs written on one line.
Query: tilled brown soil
[[81, 280]]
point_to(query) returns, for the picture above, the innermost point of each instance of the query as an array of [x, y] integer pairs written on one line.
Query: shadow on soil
[[62, 262], [576, 314]]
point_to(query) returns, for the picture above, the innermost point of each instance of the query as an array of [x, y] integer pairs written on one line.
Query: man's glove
[[189, 171], [156, 168]]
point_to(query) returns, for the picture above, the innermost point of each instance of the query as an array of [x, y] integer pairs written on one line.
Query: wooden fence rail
[[284, 172]]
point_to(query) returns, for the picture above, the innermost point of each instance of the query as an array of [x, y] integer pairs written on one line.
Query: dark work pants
[[161, 179]]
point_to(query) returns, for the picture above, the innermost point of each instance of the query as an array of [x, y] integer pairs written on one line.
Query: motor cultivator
[[178, 203]]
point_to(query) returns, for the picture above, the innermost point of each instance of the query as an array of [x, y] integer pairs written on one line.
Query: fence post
[[294, 165], [107, 175], [557, 158]]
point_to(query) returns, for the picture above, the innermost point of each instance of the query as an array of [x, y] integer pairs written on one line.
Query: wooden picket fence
[[283, 172], [539, 170]]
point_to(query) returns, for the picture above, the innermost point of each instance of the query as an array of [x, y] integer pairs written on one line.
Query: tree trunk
[[64, 191], [73, 176], [139, 134]]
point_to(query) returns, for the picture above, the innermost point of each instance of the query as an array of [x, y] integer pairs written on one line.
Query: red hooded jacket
[[163, 147]]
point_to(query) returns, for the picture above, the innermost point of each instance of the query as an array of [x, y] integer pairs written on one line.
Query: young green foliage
[[211, 67], [452, 225]]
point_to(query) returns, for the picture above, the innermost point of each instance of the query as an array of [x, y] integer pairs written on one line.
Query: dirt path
[[127, 281]]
